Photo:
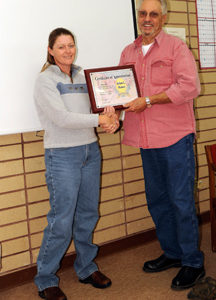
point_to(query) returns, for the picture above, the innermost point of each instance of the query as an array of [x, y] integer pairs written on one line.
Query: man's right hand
[[136, 105]]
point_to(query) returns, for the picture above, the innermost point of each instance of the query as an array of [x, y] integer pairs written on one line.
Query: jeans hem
[[192, 266], [171, 256], [46, 287], [89, 273]]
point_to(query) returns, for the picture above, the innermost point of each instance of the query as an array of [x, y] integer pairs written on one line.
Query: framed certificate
[[112, 86]]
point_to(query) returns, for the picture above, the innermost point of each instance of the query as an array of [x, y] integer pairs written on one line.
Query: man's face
[[150, 19]]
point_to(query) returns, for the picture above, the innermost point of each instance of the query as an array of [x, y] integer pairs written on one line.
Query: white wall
[[102, 29]]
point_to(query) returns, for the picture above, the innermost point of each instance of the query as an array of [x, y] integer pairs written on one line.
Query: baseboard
[[23, 276]]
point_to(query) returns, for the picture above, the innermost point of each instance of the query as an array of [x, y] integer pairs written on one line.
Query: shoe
[[160, 264], [187, 277], [52, 293], [97, 280], [204, 289]]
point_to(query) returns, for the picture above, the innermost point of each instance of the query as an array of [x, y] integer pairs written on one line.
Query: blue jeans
[[73, 181], [169, 180]]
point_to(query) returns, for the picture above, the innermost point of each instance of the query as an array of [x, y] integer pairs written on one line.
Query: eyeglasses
[[144, 14]]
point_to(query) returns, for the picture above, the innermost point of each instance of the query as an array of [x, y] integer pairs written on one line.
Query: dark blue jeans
[[73, 181], [169, 181]]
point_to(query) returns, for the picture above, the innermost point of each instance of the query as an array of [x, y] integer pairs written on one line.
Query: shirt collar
[[75, 69], [158, 39]]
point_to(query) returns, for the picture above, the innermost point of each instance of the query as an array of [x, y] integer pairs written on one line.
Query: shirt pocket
[[161, 72]]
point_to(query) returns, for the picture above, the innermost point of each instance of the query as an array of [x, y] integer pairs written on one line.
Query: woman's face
[[63, 51]]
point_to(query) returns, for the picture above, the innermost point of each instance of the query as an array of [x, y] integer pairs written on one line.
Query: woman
[[72, 159]]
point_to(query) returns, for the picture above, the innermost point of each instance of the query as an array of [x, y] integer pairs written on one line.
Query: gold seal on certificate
[[112, 86]]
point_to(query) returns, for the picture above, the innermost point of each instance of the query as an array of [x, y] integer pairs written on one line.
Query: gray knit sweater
[[64, 108]]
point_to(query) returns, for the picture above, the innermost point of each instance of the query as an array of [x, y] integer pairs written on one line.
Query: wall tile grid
[[23, 194]]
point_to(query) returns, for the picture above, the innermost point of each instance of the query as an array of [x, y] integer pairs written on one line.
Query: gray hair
[[163, 5]]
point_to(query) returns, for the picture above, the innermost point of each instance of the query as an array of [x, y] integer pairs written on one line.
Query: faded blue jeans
[[169, 180], [73, 181]]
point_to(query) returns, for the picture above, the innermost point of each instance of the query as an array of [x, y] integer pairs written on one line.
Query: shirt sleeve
[[49, 102], [122, 61], [186, 85]]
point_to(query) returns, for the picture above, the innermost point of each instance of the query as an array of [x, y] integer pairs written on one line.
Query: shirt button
[[143, 78]]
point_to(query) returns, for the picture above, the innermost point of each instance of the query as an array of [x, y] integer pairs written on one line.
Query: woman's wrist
[[101, 119]]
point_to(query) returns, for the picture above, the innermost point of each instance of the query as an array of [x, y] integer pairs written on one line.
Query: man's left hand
[[137, 105]]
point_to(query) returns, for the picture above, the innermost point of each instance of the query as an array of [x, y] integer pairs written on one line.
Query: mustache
[[147, 23]]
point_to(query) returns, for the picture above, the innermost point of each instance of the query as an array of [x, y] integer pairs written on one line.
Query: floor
[[125, 270]]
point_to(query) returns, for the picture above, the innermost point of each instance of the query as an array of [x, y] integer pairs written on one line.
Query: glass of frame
[[111, 86]]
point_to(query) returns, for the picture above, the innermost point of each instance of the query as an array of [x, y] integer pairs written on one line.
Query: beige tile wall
[[24, 197]]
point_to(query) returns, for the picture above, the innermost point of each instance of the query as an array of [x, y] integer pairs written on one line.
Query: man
[[161, 123]]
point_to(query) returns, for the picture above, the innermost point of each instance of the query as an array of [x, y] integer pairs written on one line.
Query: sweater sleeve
[[49, 102]]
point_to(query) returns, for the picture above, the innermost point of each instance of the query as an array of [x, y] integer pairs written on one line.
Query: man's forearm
[[161, 98]]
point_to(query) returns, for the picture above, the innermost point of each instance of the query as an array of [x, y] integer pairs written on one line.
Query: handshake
[[109, 120]]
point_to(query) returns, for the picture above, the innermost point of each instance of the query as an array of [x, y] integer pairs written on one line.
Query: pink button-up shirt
[[167, 67]]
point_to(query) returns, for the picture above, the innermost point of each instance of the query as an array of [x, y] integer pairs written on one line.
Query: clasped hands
[[109, 120]]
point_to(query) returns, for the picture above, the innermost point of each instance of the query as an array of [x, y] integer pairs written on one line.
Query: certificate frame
[[111, 86]]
